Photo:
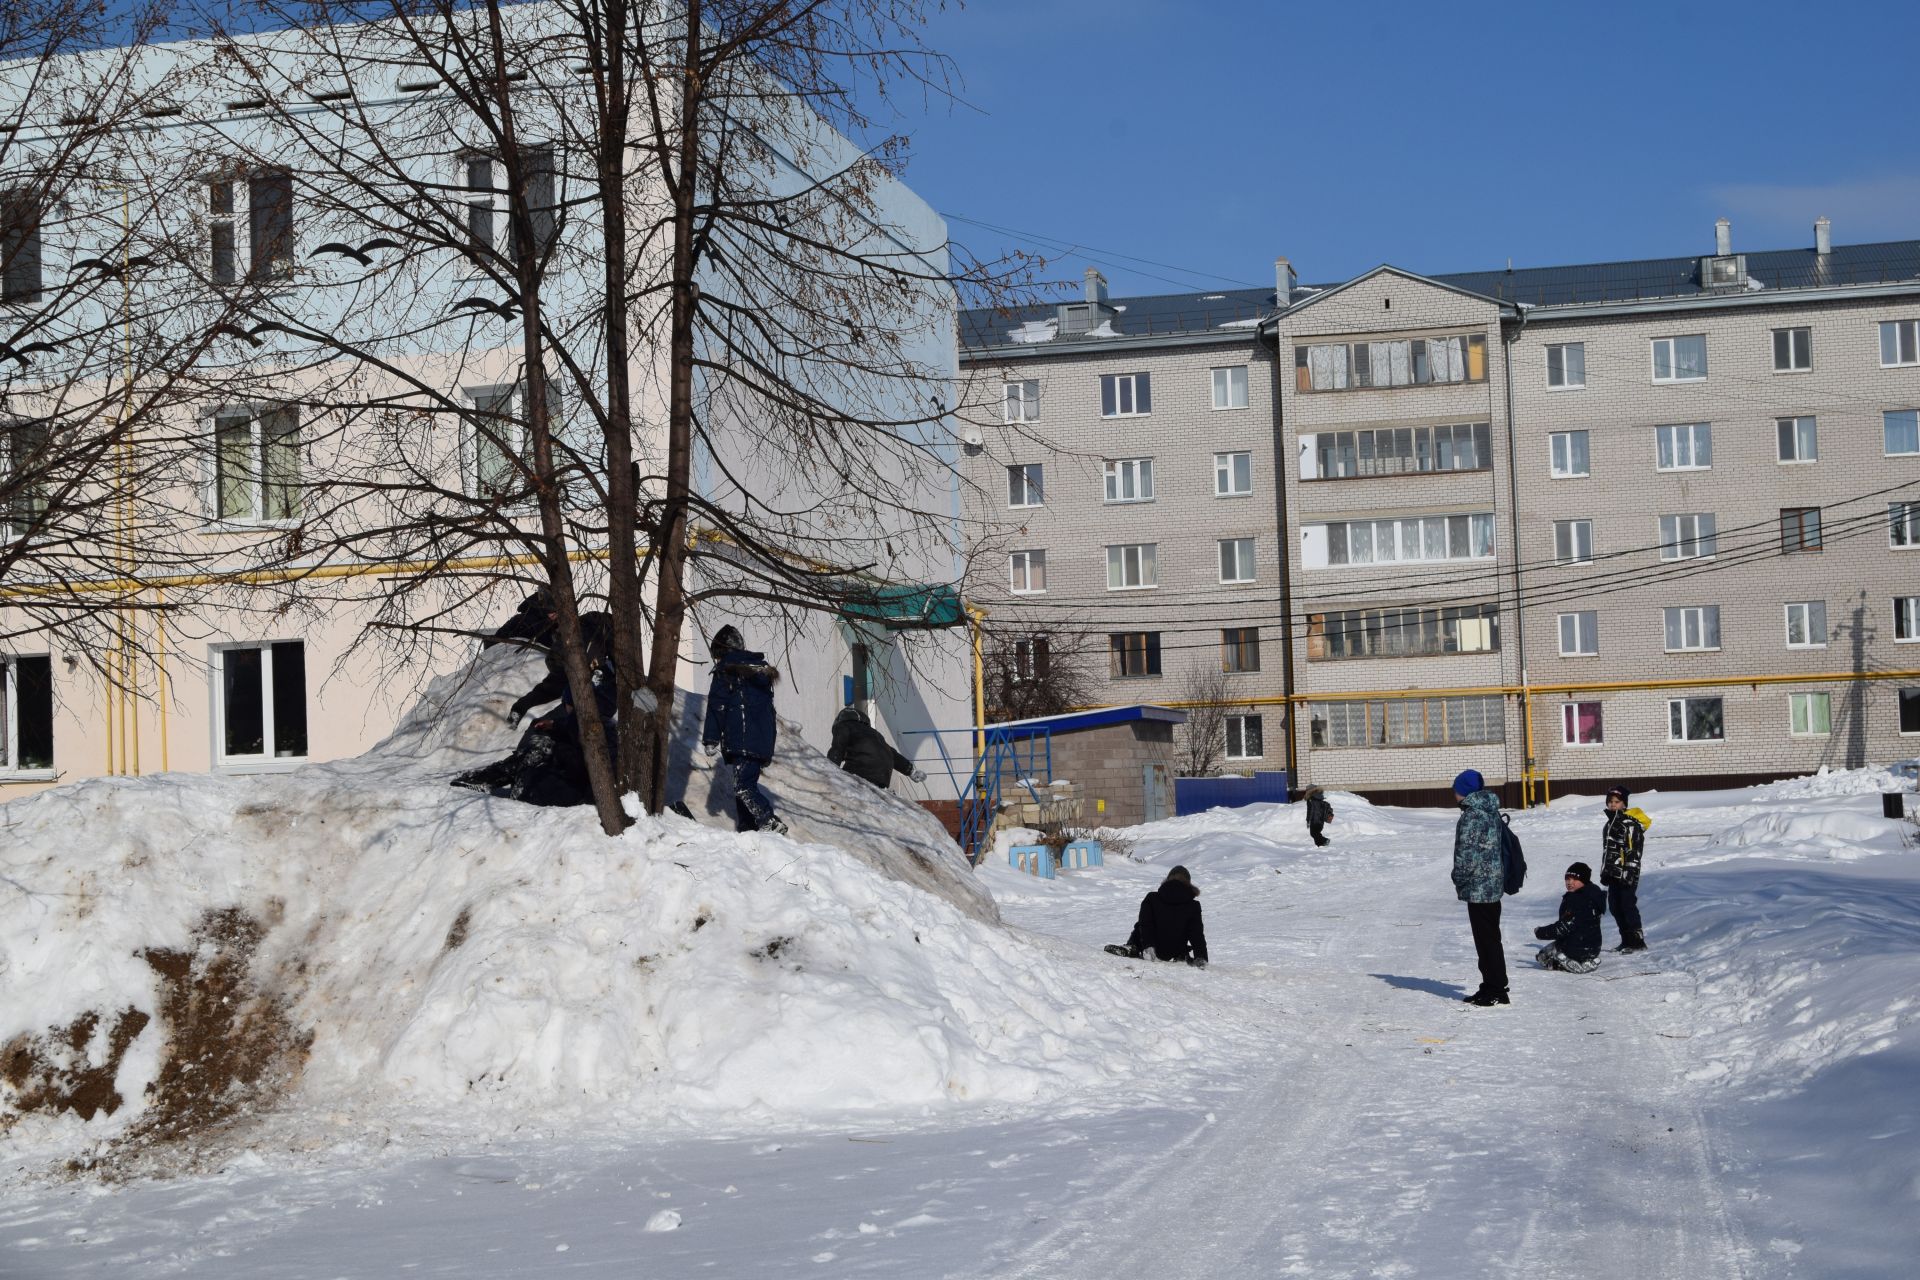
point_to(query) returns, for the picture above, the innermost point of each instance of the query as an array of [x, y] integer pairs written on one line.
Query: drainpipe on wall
[[1285, 280], [1507, 339]]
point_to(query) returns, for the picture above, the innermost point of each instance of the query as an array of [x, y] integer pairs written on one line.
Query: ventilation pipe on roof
[[1283, 282], [1822, 237], [1096, 286], [1722, 238]]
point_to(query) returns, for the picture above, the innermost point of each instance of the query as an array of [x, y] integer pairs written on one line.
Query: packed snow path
[[1340, 1113]]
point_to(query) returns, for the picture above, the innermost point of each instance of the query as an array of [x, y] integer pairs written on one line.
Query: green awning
[[917, 607]]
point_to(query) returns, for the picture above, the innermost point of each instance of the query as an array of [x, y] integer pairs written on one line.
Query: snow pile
[[356, 945], [1833, 782], [1833, 833]]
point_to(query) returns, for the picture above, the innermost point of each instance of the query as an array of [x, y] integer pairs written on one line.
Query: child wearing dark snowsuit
[[1622, 841], [1319, 814], [740, 727], [1573, 940], [1169, 927]]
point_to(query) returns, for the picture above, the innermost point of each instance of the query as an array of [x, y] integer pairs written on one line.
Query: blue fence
[[1197, 795]]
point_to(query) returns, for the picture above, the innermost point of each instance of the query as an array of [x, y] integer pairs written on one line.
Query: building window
[[1687, 537], [1799, 529], [1910, 711], [1899, 342], [1463, 446], [1906, 619], [1580, 634], [1132, 566], [1691, 628], [1230, 387], [1580, 724], [1409, 722], [1232, 475], [1401, 362], [1799, 439], [1569, 454], [1903, 524], [1402, 633], [1130, 480], [1133, 653], [1807, 624], [1025, 487], [262, 202], [26, 702], [1566, 365], [256, 465], [490, 205], [1125, 395], [1681, 359], [1032, 658], [1240, 650], [1696, 720], [1236, 559], [1022, 401], [1792, 350], [1812, 715], [1572, 541], [1687, 446], [1027, 571], [25, 461], [502, 442], [260, 708], [1411, 539], [1243, 738], [1902, 430], [20, 280]]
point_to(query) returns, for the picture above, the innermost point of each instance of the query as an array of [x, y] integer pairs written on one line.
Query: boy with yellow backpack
[[1622, 841]]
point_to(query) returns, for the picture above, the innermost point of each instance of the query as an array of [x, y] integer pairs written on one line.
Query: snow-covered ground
[[905, 1088]]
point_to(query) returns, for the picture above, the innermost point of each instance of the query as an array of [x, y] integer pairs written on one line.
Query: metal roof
[[1155, 316], [1095, 719]]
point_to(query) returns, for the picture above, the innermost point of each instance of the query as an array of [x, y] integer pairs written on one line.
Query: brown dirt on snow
[[52, 1072]]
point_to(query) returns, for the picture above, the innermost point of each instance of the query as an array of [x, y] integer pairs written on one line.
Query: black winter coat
[[1319, 812], [1170, 923], [740, 706], [1578, 928], [860, 749]]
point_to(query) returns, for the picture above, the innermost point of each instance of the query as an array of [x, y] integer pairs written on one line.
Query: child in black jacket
[[1169, 927], [1573, 941]]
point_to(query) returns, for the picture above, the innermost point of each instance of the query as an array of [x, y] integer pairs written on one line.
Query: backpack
[[1512, 861]]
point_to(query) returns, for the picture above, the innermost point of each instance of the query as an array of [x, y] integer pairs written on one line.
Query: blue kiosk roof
[[1098, 718]]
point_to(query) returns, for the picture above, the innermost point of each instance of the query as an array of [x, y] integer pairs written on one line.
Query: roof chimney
[[1283, 282], [1096, 286], [1822, 237], [1722, 238]]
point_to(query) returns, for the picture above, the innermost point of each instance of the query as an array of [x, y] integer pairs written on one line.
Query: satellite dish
[[971, 437]]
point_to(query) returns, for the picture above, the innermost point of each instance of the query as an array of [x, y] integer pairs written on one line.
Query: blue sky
[[1214, 135]]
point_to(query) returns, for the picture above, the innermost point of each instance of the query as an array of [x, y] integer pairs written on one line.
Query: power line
[[1074, 249]]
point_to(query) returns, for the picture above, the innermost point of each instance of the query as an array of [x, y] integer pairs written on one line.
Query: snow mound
[[1838, 834], [359, 944], [1833, 782]]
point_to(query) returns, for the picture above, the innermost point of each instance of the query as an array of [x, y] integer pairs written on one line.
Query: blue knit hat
[[1468, 782]]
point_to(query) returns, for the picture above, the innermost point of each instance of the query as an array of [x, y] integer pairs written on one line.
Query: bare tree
[[1204, 696], [1032, 673]]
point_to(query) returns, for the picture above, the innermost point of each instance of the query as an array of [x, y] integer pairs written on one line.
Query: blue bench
[[1034, 859]]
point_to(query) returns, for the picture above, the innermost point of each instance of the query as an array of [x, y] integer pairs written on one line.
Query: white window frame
[[1903, 526], [1020, 569], [1683, 704], [1123, 473], [1145, 566], [1229, 385], [1667, 439], [217, 685], [1560, 455], [1020, 400], [1570, 724], [1793, 333], [1342, 529], [255, 516], [1688, 539], [1033, 485], [1127, 404], [1796, 717], [1805, 611], [516, 411], [1673, 365], [1565, 383], [1789, 437], [239, 224], [1574, 617], [1579, 542], [1886, 440], [1238, 725], [1692, 617], [1906, 343], [1226, 469], [1243, 556], [10, 679], [1906, 617]]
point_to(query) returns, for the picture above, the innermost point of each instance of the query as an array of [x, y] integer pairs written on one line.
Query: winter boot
[[1487, 999], [1633, 942], [774, 825], [1116, 949]]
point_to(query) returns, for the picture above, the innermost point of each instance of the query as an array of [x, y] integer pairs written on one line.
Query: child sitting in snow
[[1169, 927], [1573, 941]]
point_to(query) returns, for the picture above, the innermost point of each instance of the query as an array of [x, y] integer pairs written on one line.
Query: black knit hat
[[1618, 791], [1582, 872]]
